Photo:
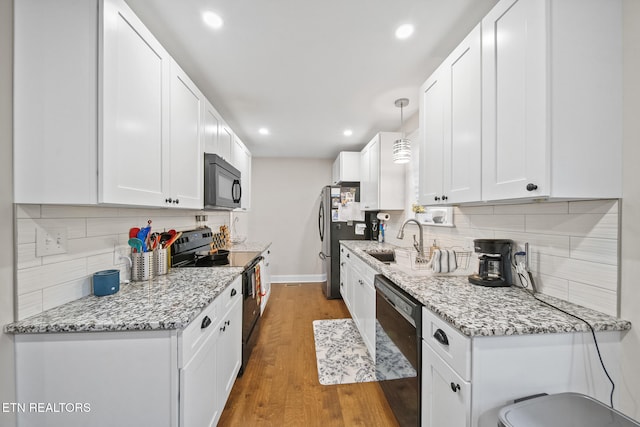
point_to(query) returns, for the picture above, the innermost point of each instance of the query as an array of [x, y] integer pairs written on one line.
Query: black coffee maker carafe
[[494, 267]]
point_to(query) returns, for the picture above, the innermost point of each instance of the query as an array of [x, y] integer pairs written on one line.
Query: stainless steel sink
[[386, 257]]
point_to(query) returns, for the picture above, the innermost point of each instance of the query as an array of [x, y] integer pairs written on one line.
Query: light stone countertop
[[170, 301], [485, 311]]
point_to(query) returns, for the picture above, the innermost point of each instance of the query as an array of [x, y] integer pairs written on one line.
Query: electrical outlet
[[120, 254], [51, 242]]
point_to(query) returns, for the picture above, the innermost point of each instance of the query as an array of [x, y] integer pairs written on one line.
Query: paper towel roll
[[384, 216]]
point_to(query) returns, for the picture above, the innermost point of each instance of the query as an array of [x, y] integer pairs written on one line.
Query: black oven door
[[250, 311]]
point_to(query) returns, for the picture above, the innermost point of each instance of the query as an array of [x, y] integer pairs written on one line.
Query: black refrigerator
[[339, 218]]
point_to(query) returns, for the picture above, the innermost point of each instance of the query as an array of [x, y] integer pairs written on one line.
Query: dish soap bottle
[[381, 232], [432, 249]]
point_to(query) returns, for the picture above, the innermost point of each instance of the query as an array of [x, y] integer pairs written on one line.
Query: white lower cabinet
[[467, 380], [358, 292], [446, 396], [135, 378]]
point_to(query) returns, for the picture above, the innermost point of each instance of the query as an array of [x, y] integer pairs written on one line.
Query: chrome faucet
[[418, 245]]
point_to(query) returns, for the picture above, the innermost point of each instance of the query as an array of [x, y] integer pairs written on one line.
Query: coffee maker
[[494, 267]]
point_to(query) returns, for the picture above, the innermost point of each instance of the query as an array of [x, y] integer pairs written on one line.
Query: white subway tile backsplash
[[585, 225], [35, 278], [600, 275], [533, 209], [573, 245], [609, 206], [61, 211], [94, 232], [27, 256], [498, 222], [29, 304], [553, 286], [593, 297], [54, 296], [604, 251], [27, 211]]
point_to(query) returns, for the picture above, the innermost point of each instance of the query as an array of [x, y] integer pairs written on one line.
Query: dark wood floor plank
[[280, 386]]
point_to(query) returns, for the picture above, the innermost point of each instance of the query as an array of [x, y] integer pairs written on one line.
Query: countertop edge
[[608, 323]]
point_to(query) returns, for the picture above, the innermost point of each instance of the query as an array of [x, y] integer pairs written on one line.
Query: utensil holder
[[142, 266], [160, 261]]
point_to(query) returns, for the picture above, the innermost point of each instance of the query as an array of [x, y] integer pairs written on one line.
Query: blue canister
[[106, 282]]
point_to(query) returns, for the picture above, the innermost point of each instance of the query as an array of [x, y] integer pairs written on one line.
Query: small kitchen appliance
[[494, 262]]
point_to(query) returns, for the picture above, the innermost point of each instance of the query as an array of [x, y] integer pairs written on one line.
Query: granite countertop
[[484, 311], [166, 302], [249, 247]]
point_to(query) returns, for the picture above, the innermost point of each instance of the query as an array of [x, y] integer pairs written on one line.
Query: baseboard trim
[[298, 278]]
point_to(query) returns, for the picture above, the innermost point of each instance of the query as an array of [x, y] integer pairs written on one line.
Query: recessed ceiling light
[[404, 31], [347, 132], [263, 131], [212, 19]]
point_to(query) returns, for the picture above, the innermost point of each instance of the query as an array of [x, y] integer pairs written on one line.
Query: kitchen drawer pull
[[205, 322], [455, 387], [531, 187], [223, 328], [233, 292], [441, 337]]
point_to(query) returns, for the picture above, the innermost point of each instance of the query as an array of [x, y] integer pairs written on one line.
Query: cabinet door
[[432, 133], [446, 398], [211, 125], [515, 149], [186, 155], [370, 175], [368, 315], [225, 142], [135, 125], [229, 352], [198, 387], [462, 123]]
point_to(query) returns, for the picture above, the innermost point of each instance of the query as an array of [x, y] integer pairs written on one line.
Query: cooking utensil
[[164, 238], [133, 232], [173, 239], [136, 244]]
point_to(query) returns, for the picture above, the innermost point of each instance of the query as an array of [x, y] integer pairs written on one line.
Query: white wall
[[630, 230], [7, 367], [94, 233], [284, 211]]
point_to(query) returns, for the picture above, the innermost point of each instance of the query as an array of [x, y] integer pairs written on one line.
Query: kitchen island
[[483, 347]]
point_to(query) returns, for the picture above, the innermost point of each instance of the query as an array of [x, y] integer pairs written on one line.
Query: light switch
[[51, 242]]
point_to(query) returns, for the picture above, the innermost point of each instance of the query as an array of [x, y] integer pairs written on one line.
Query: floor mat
[[341, 355]]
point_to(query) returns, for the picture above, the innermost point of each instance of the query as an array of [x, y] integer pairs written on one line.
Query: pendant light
[[402, 146]]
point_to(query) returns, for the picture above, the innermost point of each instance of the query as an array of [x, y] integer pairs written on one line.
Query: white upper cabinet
[[212, 126], [133, 163], [451, 122], [186, 142], [103, 114], [241, 159], [552, 101], [382, 182], [346, 167], [225, 142]]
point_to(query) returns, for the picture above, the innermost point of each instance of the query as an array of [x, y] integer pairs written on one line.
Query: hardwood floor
[[280, 385]]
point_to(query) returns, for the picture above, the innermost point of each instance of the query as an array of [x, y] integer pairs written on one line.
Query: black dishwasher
[[398, 350]]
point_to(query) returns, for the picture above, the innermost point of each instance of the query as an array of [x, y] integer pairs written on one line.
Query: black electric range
[[191, 250]]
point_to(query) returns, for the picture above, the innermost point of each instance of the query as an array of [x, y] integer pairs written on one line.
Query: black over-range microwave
[[222, 188]]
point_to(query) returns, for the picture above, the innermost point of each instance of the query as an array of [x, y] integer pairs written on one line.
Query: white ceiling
[[308, 70]]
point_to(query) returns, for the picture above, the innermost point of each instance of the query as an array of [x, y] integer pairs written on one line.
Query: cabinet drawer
[[200, 328], [453, 347], [230, 295]]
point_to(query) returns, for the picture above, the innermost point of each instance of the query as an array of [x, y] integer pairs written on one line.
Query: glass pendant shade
[[402, 146], [402, 150]]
